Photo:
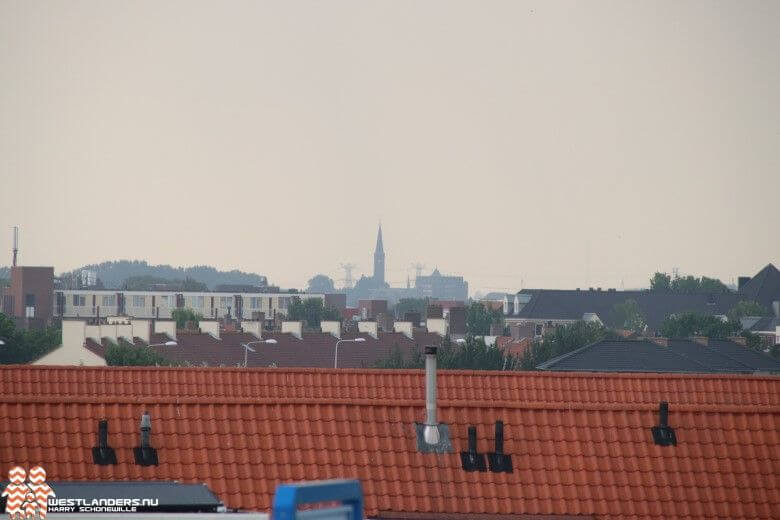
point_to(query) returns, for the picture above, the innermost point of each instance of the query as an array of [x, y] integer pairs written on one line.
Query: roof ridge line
[[537, 405]]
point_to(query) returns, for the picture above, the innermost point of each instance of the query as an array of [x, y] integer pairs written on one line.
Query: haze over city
[[518, 144]]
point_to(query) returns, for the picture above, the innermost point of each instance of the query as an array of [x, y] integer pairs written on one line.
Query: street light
[[336, 355], [247, 348], [2, 342], [166, 344]]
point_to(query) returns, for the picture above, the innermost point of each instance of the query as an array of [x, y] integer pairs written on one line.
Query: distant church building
[[379, 260], [375, 287]]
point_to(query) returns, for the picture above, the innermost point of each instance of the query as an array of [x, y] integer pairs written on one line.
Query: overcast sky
[[533, 144]]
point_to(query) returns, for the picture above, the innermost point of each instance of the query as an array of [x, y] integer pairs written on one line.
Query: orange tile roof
[[580, 443]]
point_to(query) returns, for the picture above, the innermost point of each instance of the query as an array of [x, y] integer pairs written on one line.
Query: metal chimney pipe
[[103, 434], [146, 430], [663, 414], [431, 432], [500, 437], [472, 439]]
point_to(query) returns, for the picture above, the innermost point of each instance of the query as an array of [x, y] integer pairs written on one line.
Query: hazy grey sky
[[562, 144]]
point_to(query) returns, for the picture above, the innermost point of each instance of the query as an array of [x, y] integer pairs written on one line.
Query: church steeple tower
[[379, 259]]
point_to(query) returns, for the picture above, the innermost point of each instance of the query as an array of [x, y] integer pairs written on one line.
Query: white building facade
[[91, 303]]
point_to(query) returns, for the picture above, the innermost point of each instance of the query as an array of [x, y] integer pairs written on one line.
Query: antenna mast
[[16, 243], [347, 275]]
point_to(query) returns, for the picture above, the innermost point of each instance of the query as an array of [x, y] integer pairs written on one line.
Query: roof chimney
[[660, 341], [331, 327], [209, 327], [437, 325], [369, 327], [432, 437], [739, 340], [404, 327], [253, 327], [293, 327]]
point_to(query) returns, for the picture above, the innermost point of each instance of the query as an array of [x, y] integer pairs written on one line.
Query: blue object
[[290, 496]]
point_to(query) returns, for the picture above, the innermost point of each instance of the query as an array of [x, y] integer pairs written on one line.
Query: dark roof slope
[[751, 358], [765, 324], [763, 288], [580, 443], [549, 304], [314, 350], [678, 356]]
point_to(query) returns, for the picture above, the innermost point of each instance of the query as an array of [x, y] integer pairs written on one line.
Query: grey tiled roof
[[766, 324], [751, 358], [572, 305], [678, 356], [764, 287]]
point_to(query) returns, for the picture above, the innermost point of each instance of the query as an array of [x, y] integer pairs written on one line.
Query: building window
[[29, 300], [196, 302], [225, 301], [109, 301], [79, 300], [254, 303], [139, 301], [284, 303]]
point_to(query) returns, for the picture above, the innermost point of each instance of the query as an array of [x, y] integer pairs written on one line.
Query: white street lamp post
[[166, 344], [247, 348], [336, 355]]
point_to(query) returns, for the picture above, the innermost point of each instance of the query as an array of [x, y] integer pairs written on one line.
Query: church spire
[[379, 258], [379, 247]]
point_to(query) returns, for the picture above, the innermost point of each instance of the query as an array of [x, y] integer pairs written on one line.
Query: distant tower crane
[[347, 275]]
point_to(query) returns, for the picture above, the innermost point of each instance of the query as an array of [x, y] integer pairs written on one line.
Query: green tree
[[712, 285], [687, 284], [396, 359], [146, 283], [24, 346], [471, 354], [404, 305], [661, 282], [311, 310], [747, 308], [687, 324], [629, 316], [321, 284], [479, 318], [563, 339], [124, 354], [183, 315]]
